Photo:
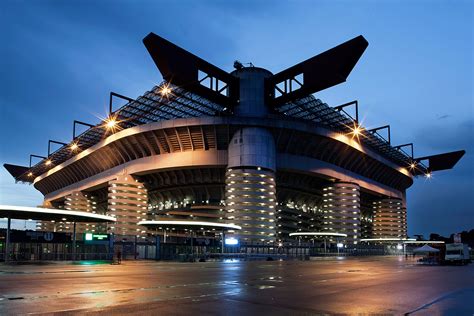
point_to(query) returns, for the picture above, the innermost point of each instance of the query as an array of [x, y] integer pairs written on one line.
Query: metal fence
[[181, 252]]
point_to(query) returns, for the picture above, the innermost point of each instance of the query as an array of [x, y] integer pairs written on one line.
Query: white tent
[[425, 249]]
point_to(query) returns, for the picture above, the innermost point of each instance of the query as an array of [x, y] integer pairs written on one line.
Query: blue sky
[[60, 59]]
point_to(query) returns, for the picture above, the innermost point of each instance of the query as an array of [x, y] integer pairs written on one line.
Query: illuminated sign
[[95, 237], [231, 241]]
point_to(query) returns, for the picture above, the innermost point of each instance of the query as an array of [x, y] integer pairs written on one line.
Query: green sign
[[95, 237]]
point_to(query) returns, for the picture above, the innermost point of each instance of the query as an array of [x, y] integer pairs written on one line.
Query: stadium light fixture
[[74, 146], [47, 162], [356, 131], [165, 90], [110, 123]]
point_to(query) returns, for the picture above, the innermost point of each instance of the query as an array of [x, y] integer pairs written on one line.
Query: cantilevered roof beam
[[315, 74], [181, 68], [442, 161]]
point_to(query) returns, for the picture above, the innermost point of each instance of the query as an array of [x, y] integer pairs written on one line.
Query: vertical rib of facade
[[127, 202], [389, 219], [341, 210]]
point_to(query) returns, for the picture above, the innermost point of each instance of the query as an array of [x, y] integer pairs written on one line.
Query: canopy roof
[[425, 249], [318, 234], [189, 224], [48, 214], [388, 239]]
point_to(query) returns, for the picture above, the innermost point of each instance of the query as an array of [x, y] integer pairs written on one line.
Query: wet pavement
[[366, 285]]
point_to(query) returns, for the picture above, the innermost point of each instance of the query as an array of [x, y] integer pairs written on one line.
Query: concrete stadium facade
[[269, 171]]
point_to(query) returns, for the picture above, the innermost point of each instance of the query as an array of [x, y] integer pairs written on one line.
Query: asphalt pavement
[[364, 285]]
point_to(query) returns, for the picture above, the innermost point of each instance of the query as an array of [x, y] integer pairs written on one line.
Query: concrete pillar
[[389, 219], [78, 201], [128, 203], [341, 210]]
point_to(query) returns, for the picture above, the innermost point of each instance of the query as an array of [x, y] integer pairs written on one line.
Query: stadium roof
[[189, 97]]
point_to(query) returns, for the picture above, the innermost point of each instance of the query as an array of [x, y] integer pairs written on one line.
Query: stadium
[[250, 154]]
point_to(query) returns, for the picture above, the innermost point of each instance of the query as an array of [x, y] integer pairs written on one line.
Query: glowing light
[[165, 90], [428, 175], [74, 146], [30, 174], [356, 131], [47, 162], [231, 241], [399, 247], [340, 245], [111, 123], [413, 165]]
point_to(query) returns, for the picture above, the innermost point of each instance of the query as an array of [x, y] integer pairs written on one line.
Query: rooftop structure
[[248, 148]]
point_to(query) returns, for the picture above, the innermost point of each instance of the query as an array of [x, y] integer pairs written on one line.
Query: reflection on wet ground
[[352, 285]]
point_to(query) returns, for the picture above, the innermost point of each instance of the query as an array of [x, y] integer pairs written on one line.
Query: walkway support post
[[157, 245], [223, 242], [192, 246], [135, 248], [7, 241], [74, 242]]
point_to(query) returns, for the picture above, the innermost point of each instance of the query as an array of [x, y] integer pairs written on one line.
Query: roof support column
[[128, 203], [341, 209], [250, 185]]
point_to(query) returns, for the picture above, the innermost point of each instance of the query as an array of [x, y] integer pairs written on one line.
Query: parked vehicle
[[457, 254]]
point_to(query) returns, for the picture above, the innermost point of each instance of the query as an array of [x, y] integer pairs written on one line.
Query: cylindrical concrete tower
[[250, 185], [389, 219], [250, 177], [252, 91], [341, 209], [127, 202]]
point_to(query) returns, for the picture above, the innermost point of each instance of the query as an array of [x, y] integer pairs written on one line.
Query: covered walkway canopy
[[191, 225], [319, 234], [47, 214], [324, 234], [388, 240]]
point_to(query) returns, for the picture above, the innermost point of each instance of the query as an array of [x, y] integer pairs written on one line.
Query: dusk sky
[[60, 59]]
